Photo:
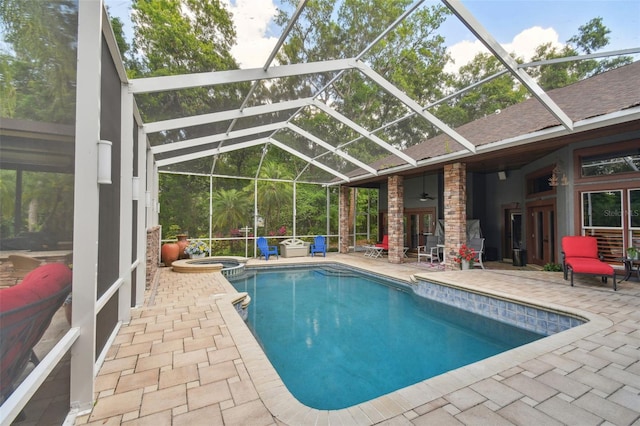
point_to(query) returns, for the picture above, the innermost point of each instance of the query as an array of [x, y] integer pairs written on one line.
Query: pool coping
[[286, 408]]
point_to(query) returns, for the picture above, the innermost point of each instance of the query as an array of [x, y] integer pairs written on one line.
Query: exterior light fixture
[[104, 162], [558, 176], [135, 188]]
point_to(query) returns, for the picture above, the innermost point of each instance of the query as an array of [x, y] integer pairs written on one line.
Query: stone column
[[153, 255], [343, 222], [455, 210], [395, 218]]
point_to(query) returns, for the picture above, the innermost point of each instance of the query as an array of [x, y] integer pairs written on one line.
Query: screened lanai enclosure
[[357, 124]]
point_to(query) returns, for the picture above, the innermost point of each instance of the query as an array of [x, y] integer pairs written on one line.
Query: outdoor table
[[628, 267], [373, 251]]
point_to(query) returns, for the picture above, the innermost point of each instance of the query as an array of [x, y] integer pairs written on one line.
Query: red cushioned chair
[[580, 256], [26, 310], [385, 243]]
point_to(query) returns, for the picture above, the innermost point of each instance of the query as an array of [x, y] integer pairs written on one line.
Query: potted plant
[[197, 249], [465, 257], [632, 253]]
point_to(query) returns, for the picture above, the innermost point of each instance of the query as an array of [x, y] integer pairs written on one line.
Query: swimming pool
[[338, 338]]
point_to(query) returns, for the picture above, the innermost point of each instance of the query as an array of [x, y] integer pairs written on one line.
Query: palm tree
[[231, 208], [273, 195]]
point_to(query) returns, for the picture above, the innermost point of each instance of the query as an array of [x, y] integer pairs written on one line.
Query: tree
[[185, 203], [483, 100], [180, 37], [39, 64], [231, 209], [412, 57], [274, 196], [592, 37]]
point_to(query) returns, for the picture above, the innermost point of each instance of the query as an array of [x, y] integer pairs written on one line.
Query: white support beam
[[216, 117], [364, 132], [416, 107], [503, 56], [210, 152], [187, 81], [126, 203], [189, 143], [331, 148], [308, 159], [87, 200]]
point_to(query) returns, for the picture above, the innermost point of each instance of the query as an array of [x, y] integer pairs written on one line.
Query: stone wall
[[153, 254], [455, 210]]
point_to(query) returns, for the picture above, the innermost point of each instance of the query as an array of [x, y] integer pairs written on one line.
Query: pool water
[[338, 338]]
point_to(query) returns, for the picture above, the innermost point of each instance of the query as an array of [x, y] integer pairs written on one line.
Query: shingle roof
[[603, 94]]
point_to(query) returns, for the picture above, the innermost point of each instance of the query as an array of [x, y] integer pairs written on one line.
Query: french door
[[418, 224], [541, 227]]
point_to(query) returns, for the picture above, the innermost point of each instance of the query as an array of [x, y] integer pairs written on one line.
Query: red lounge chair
[[580, 256], [26, 310], [385, 243]]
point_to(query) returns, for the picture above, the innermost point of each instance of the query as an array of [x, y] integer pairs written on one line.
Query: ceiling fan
[[424, 196]]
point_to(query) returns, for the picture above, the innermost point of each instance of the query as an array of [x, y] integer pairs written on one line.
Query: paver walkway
[[186, 357]]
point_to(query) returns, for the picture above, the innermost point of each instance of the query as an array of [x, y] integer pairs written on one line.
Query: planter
[[465, 264], [169, 253], [198, 256]]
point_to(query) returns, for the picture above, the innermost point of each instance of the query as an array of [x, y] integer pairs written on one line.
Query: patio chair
[[580, 256], [477, 244], [319, 246], [265, 249], [430, 250], [384, 244], [26, 310]]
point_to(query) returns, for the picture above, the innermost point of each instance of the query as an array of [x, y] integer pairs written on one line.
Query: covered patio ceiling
[[256, 126]]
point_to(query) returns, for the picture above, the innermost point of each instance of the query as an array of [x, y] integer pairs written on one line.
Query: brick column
[[455, 210], [153, 254], [343, 221], [395, 218]]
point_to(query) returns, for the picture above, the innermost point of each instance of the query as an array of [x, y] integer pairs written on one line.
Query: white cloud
[[251, 18], [523, 44]]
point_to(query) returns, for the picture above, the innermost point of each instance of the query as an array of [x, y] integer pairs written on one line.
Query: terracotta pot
[[182, 243], [170, 252]]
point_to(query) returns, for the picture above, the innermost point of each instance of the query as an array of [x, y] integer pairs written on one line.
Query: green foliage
[[553, 267], [484, 100], [39, 62], [231, 210], [47, 203], [412, 57], [593, 36], [185, 203]]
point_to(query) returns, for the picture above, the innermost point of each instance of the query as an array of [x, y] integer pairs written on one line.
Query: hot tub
[[227, 265]]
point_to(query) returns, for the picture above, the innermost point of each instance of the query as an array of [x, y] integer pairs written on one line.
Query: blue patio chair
[[319, 246], [265, 249]]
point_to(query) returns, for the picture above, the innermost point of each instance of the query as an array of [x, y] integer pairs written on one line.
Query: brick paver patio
[[186, 357]]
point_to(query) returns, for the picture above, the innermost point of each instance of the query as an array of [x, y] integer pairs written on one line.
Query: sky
[[518, 25]]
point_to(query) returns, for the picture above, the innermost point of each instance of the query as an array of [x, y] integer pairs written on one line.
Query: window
[[634, 218], [602, 214], [611, 163], [539, 183], [602, 209]]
